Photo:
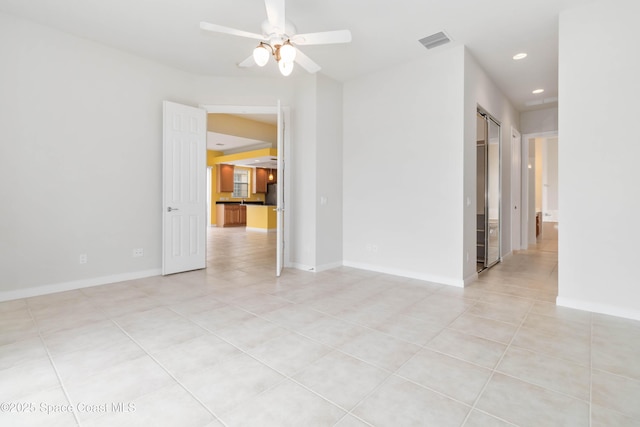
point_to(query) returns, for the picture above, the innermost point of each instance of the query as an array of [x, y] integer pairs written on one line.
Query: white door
[[184, 202], [280, 194], [516, 190]]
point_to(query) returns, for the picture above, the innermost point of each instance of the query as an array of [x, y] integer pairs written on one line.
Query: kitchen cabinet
[[260, 178], [231, 215], [224, 176]]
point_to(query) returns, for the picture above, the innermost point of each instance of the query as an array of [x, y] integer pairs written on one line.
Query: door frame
[[516, 190], [527, 218], [268, 109]]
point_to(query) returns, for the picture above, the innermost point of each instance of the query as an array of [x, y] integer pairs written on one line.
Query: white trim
[[407, 273], [302, 267], [598, 308], [329, 266], [76, 284], [469, 280], [262, 230]]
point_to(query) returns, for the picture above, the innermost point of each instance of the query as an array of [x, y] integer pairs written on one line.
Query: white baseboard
[[407, 273], [262, 230], [302, 267], [469, 280], [76, 284], [318, 268], [598, 308], [329, 266]]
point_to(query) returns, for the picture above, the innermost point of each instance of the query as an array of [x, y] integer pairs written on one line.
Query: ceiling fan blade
[[326, 37], [226, 30], [249, 62], [275, 14], [307, 63]]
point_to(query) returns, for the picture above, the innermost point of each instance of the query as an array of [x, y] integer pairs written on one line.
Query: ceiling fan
[[279, 39]]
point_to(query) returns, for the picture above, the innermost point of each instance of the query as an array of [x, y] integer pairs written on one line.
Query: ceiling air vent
[[435, 40]]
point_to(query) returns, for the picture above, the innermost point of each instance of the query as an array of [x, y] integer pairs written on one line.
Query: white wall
[[81, 159], [539, 121], [598, 158], [479, 90], [303, 208], [329, 173], [403, 168]]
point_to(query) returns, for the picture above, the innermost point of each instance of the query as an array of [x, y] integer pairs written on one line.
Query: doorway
[[283, 146], [488, 179]]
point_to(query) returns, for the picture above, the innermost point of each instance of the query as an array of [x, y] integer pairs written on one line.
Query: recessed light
[[537, 91], [519, 56]]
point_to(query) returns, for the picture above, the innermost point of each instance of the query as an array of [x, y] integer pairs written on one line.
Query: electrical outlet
[[83, 259], [138, 252]]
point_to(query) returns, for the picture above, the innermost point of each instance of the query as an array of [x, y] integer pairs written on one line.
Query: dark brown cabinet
[[224, 176], [260, 178]]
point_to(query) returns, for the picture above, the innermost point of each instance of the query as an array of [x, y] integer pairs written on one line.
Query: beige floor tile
[[167, 406], [554, 326], [289, 353], [341, 378], [83, 336], [27, 378], [351, 421], [47, 408], [17, 328], [484, 328], [618, 393], [604, 417], [453, 377], [331, 331], [21, 351], [401, 403], [478, 351], [175, 332], [119, 383], [294, 317], [526, 405], [261, 303], [616, 349], [286, 405], [552, 310], [564, 346], [548, 372], [219, 318], [82, 363], [502, 312], [250, 333], [408, 328], [230, 383], [196, 354], [379, 349], [480, 419]]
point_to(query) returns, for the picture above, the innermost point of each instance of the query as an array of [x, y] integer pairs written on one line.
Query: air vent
[[435, 40]]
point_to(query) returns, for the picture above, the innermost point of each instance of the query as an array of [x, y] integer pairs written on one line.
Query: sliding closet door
[[481, 190], [493, 192]]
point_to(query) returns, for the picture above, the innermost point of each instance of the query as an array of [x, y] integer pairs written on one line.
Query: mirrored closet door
[[488, 191]]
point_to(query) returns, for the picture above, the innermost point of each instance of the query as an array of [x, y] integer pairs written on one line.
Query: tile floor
[[232, 345]]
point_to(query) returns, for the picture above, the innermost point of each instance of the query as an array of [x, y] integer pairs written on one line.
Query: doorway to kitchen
[[271, 164]]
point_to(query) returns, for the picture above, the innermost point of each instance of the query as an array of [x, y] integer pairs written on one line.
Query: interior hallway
[[232, 345]]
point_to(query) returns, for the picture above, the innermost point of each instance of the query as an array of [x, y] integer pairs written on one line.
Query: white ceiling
[[384, 33]]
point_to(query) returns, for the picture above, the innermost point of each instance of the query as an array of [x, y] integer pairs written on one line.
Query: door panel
[[184, 188]]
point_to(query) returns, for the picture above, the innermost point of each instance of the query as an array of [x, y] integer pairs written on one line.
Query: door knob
[[169, 209]]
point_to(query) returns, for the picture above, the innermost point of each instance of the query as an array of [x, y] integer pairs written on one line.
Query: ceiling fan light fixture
[[261, 55], [287, 52], [285, 67]]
